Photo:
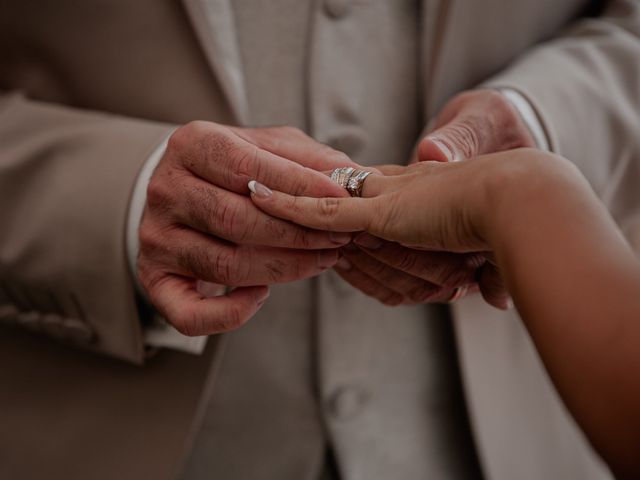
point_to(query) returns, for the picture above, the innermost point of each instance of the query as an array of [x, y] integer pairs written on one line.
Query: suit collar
[[214, 24]]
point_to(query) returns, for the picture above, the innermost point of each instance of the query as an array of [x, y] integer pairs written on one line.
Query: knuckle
[[179, 139], [159, 194], [149, 276], [229, 220], [328, 207], [226, 268], [275, 228], [301, 239], [151, 240], [244, 161], [182, 138], [464, 136], [278, 270]]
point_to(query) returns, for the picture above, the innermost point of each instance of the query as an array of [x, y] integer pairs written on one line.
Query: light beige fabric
[[66, 169]]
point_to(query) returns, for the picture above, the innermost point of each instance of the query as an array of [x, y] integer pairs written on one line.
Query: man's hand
[[473, 123], [200, 227]]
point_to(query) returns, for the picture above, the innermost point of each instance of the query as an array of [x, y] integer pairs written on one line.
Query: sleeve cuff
[[529, 116]]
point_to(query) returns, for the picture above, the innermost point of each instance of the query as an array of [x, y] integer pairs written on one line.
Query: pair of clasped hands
[[203, 229]]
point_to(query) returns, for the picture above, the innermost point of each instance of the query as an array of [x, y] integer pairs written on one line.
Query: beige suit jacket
[[90, 88]]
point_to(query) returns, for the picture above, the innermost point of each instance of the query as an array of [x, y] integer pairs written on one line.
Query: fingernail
[[327, 258], [340, 238], [259, 190], [368, 241], [343, 264], [209, 289], [509, 304], [443, 148]]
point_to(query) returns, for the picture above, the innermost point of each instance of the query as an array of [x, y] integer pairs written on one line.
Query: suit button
[[337, 8], [347, 402]]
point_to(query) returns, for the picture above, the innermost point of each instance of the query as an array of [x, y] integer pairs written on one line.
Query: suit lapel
[[214, 25]]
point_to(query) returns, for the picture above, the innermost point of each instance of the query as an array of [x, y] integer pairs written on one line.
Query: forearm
[[575, 282]]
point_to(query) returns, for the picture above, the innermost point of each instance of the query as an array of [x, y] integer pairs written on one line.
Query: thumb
[[451, 143]]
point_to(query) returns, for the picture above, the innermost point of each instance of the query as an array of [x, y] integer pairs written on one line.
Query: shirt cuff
[[529, 117], [158, 333]]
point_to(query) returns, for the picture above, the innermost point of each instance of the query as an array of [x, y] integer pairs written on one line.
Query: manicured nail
[[443, 148], [259, 190], [327, 258], [368, 241], [339, 238], [343, 264]]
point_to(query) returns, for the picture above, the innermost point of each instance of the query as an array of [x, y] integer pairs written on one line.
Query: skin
[[473, 123], [200, 232], [572, 276]]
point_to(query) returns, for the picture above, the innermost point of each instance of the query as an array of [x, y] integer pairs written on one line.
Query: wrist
[[516, 187]]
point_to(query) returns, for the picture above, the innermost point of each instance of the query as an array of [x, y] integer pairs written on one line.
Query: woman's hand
[[431, 206]]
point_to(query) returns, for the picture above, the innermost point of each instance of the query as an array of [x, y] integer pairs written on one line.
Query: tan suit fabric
[[67, 167]]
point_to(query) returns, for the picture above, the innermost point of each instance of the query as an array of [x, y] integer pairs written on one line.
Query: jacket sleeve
[[66, 176], [585, 88]]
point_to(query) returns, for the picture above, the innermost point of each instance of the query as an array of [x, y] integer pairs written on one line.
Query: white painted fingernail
[[259, 190]]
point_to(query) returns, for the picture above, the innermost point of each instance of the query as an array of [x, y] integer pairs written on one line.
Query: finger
[[293, 144], [485, 122], [193, 313], [223, 158], [454, 142], [412, 289], [367, 285], [234, 217], [439, 268], [331, 214], [493, 288], [192, 254]]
